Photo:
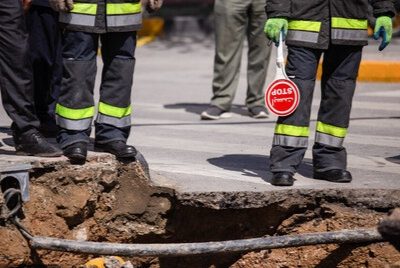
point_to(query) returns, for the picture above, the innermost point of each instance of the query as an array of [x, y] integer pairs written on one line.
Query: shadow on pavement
[[394, 159], [251, 165], [255, 165]]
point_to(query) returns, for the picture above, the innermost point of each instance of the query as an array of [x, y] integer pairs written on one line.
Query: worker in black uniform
[[337, 29], [16, 82], [115, 23], [45, 51]]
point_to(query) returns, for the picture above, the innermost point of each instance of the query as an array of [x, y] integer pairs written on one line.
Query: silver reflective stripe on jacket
[[303, 36], [77, 19], [124, 20], [346, 34]]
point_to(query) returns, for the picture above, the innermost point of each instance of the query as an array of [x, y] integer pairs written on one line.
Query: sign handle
[[280, 60]]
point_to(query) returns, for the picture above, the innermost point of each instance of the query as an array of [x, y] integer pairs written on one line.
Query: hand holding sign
[[282, 96]]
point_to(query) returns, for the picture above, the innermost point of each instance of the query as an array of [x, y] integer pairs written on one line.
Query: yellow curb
[[375, 71], [151, 28], [145, 40]]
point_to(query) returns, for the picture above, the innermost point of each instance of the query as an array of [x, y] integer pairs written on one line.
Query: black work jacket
[[317, 23]]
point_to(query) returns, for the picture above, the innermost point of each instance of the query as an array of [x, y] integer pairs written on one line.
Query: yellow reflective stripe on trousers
[[352, 24], [305, 25], [74, 114], [85, 8], [114, 111], [123, 8], [291, 130], [339, 132]]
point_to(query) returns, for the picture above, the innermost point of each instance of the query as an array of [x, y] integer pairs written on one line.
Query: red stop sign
[[282, 97]]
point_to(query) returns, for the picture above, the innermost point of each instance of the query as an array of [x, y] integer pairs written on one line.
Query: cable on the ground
[[184, 249]]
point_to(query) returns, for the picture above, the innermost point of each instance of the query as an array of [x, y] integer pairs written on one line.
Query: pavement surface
[[172, 86]]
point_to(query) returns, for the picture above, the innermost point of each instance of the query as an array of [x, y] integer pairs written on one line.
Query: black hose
[[182, 249]]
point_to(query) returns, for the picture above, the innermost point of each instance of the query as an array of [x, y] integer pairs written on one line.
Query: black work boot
[[118, 148], [76, 152], [282, 179], [334, 175], [35, 144]]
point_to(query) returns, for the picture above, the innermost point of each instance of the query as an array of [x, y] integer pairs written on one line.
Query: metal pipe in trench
[[183, 249]]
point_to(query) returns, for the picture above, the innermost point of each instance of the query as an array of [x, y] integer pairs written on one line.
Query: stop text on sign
[[282, 97]]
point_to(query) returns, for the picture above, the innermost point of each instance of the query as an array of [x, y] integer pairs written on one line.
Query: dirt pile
[[104, 200]]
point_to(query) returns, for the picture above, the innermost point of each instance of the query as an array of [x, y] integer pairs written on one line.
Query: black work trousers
[[75, 105], [15, 68], [340, 69], [45, 51]]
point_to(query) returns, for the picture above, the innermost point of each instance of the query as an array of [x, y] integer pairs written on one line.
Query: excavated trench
[[108, 201]]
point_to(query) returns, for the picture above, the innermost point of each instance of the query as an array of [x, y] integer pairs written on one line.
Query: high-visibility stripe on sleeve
[[123, 8], [339, 132], [85, 8], [305, 25], [74, 114], [114, 111], [291, 130], [354, 24]]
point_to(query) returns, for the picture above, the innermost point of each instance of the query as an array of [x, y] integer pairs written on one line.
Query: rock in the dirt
[[389, 228]]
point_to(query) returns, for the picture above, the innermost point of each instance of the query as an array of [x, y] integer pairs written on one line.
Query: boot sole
[[125, 156], [56, 154], [76, 157], [333, 180]]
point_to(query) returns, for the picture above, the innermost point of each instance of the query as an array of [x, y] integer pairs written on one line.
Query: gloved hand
[[61, 5], [153, 5], [273, 28], [384, 29]]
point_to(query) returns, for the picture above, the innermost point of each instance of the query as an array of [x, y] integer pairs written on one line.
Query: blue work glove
[[384, 29]]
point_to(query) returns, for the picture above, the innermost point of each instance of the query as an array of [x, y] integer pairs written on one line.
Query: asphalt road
[[172, 86]]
